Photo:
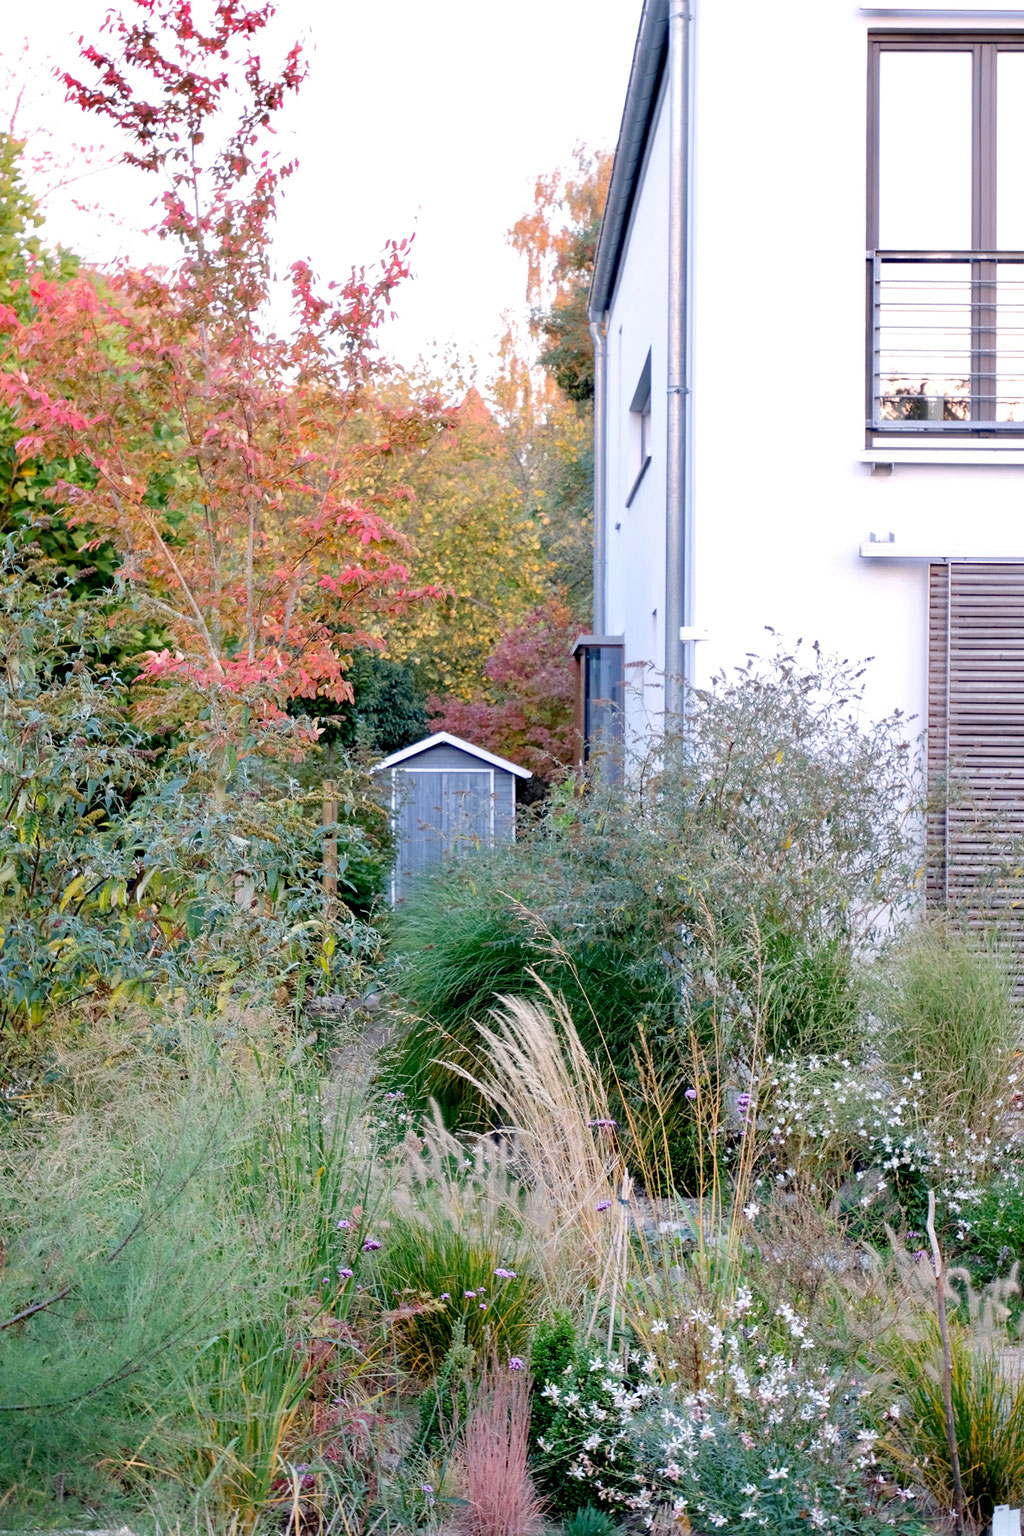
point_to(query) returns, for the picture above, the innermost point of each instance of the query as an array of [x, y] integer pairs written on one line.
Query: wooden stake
[[330, 816], [947, 1370]]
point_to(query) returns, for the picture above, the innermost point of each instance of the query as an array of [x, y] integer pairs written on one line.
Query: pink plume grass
[[500, 1497]]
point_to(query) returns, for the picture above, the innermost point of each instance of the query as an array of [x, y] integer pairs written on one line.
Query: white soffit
[[925, 548], [931, 8]]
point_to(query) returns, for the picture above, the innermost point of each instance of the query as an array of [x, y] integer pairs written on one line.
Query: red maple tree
[[229, 462]]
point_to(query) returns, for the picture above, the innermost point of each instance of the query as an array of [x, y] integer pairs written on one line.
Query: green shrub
[[122, 878], [715, 900], [994, 1242], [570, 1400]]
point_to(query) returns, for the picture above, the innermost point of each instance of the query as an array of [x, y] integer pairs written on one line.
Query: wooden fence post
[[330, 816]]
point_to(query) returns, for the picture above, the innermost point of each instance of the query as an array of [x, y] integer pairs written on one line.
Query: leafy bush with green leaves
[[571, 1398], [120, 877]]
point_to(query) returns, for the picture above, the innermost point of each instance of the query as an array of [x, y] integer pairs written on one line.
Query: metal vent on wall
[[976, 738]]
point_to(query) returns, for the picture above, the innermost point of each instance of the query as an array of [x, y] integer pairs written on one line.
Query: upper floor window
[[946, 233], [640, 428]]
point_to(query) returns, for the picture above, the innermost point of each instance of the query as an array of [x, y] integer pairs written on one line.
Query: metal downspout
[[678, 402], [599, 337]]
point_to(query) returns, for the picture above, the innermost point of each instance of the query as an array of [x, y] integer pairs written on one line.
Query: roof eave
[[637, 115], [446, 739]]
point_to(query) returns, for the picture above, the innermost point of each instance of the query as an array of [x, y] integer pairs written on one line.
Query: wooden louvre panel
[[976, 737]]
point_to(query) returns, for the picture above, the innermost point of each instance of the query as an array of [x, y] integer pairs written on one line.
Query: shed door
[[439, 815], [976, 729]]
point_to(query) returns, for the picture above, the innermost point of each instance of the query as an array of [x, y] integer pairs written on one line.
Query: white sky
[[433, 118]]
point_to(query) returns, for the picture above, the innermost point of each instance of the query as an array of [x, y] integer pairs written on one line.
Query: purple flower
[[504, 1274], [469, 1294], [370, 1245], [743, 1101], [483, 1306], [603, 1205], [445, 1296], [691, 1093], [343, 1226], [344, 1273], [516, 1364], [601, 1125]]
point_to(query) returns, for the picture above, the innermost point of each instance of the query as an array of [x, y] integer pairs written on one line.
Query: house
[[808, 313], [448, 798]]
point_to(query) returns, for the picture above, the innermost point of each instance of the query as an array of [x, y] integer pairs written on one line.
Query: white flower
[[751, 1210], [775, 1473]]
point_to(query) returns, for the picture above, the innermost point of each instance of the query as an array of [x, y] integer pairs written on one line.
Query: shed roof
[[641, 99], [446, 739]]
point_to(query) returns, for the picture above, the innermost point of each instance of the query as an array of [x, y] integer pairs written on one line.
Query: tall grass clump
[[178, 1300], [988, 1419], [458, 1258], [949, 1020]]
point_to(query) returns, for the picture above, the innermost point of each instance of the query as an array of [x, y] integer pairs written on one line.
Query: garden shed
[[448, 798]]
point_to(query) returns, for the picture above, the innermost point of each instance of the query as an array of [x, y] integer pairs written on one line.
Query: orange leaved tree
[[224, 457]]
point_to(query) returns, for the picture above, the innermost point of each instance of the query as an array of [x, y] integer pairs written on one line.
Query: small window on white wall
[[640, 441]]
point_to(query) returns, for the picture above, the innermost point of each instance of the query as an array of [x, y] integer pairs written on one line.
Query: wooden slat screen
[[976, 733]]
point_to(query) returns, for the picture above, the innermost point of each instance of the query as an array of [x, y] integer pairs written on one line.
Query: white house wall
[[782, 498], [638, 322]]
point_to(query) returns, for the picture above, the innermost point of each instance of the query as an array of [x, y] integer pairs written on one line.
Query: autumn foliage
[[530, 720], [226, 461]]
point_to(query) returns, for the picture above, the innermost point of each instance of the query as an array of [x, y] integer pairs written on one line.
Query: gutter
[[599, 336], [641, 99], [678, 393]]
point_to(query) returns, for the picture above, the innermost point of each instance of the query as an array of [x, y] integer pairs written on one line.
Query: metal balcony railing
[[947, 341]]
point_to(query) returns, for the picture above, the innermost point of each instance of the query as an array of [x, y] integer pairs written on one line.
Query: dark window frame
[[984, 47], [640, 406]]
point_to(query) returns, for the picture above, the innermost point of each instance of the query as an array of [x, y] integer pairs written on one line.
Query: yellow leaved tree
[[472, 527]]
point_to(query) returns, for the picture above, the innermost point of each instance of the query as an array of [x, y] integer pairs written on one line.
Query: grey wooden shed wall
[[447, 803]]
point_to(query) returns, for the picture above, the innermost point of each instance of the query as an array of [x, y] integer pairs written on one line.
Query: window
[[599, 701], [946, 234], [640, 428]]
